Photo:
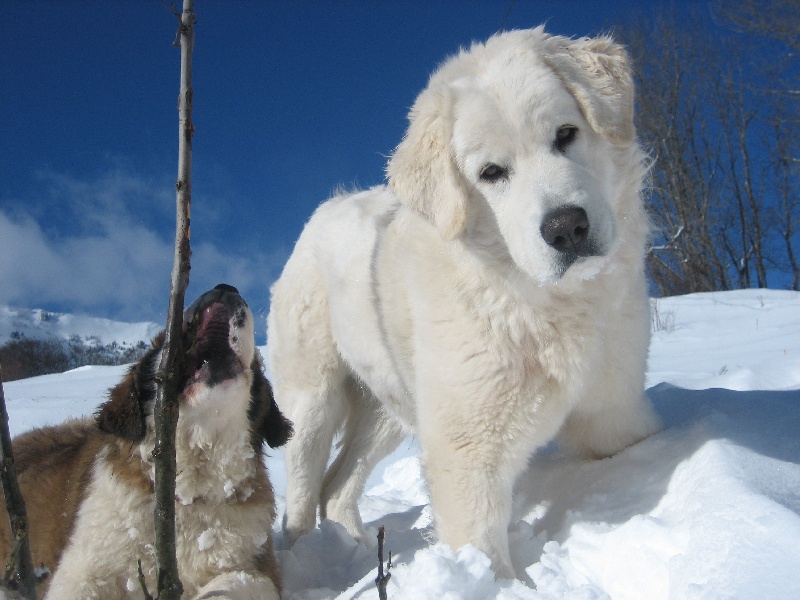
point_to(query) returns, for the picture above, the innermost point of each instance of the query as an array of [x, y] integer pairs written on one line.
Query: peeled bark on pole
[[20, 560], [166, 407]]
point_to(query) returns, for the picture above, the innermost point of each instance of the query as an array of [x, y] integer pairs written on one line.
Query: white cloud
[[116, 269], [103, 248]]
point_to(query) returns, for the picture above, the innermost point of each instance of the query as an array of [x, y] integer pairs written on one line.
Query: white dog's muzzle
[[568, 231]]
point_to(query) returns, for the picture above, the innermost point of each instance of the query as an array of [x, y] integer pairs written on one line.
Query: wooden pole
[[166, 407], [20, 561]]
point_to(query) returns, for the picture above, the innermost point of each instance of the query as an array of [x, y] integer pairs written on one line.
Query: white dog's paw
[[293, 529]]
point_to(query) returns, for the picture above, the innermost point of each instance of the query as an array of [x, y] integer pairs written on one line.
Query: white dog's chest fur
[[461, 313]]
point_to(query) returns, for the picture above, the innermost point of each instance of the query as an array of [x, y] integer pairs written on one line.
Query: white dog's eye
[[492, 173], [565, 136]]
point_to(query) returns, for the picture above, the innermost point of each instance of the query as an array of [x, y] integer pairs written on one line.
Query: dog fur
[[88, 484], [490, 299]]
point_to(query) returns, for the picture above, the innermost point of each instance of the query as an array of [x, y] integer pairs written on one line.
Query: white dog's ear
[[597, 73], [422, 171]]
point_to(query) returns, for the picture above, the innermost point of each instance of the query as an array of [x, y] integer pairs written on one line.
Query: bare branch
[[21, 570], [669, 245], [142, 582], [166, 408]]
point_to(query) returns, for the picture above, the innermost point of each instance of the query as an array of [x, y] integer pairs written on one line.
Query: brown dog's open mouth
[[210, 359]]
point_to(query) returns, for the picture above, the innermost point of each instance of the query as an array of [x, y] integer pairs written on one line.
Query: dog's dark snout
[[224, 287], [223, 293], [566, 228]]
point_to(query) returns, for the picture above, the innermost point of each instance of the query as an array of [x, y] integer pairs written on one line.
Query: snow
[[707, 508], [40, 324], [206, 540]]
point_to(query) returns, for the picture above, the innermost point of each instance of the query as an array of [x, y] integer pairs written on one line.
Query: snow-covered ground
[[707, 508]]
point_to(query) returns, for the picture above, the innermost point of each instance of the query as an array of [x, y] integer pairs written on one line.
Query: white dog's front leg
[[471, 487]]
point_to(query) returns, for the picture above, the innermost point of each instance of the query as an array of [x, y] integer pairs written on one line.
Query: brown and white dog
[[88, 483]]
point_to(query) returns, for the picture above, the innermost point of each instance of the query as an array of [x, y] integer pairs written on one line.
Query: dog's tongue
[[213, 328]]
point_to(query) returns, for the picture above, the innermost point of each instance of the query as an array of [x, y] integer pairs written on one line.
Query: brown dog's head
[[220, 364]]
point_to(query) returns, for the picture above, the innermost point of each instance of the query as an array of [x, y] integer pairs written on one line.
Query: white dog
[[493, 296]]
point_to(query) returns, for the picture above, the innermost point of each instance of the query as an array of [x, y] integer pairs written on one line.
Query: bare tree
[[775, 19], [788, 220], [724, 194], [777, 22], [673, 124], [737, 115]]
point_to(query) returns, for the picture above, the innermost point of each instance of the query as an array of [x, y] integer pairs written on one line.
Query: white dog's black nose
[[567, 230]]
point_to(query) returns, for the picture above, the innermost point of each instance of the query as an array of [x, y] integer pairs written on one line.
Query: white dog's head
[[527, 141]]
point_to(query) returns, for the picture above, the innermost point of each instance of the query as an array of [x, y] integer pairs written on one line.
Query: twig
[[669, 244], [142, 581], [20, 564], [505, 16], [382, 580], [166, 407]]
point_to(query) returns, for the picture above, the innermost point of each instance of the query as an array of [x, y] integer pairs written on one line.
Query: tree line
[[718, 111], [22, 357]]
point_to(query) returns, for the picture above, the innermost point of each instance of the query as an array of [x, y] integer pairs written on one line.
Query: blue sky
[[292, 100]]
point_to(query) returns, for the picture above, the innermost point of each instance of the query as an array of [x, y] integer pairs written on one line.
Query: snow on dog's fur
[[491, 298], [88, 484]]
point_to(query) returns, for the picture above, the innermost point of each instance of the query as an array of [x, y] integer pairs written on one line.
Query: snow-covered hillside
[[707, 508], [37, 324]]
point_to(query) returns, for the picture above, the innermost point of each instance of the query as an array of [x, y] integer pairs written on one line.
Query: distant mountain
[[16, 323], [38, 342]]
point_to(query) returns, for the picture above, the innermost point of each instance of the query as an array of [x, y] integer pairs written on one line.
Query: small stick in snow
[[382, 580]]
